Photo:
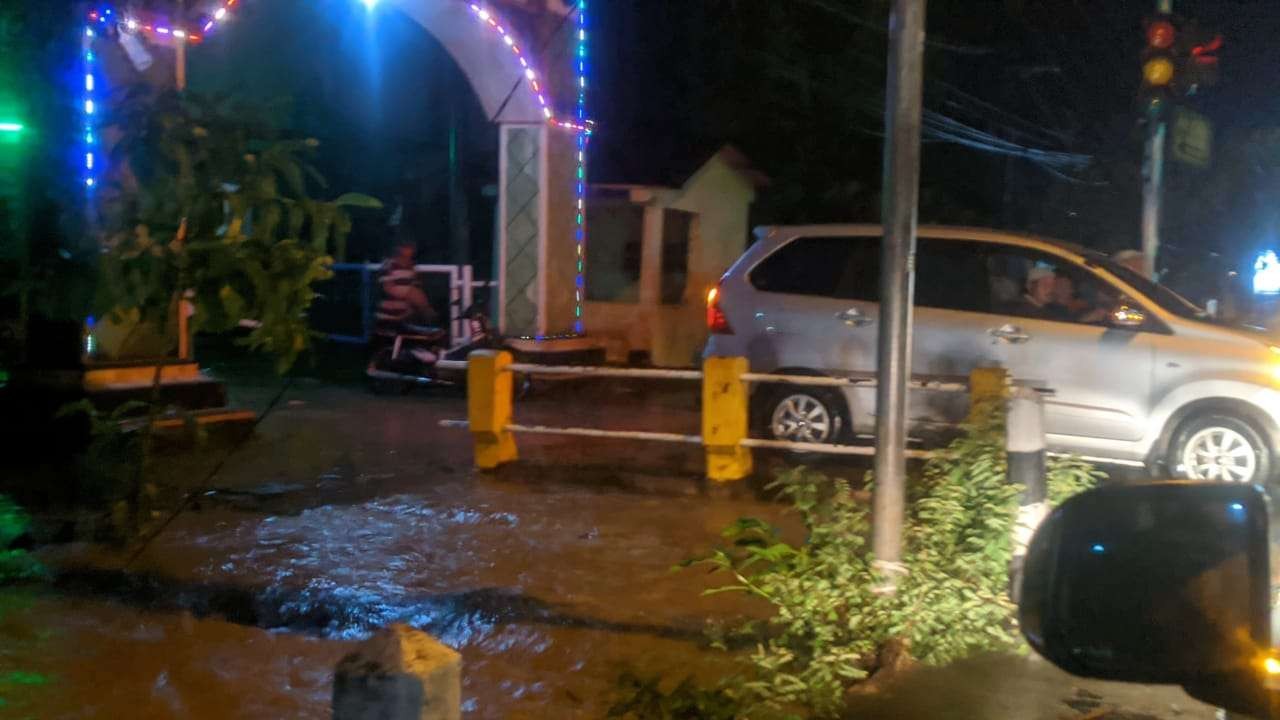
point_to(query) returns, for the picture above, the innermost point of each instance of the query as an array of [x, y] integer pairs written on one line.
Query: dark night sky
[[795, 84], [791, 82]]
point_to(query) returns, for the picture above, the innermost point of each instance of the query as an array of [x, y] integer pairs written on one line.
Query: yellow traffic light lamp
[[1157, 71]]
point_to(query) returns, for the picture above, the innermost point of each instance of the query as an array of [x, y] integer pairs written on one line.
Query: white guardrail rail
[[724, 407]]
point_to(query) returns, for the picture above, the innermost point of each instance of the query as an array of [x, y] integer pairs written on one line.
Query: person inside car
[[1038, 300], [1065, 297], [1070, 305]]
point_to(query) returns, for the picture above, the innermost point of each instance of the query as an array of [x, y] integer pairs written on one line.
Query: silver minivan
[[1138, 375]]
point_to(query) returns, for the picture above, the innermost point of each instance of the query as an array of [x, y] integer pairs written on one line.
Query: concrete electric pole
[[897, 279]]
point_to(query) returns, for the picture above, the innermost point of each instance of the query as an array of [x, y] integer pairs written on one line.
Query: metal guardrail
[[668, 374], [586, 371], [588, 432], [725, 403]]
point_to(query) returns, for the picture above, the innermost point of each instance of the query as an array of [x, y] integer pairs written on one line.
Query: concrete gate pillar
[[537, 245], [525, 60]]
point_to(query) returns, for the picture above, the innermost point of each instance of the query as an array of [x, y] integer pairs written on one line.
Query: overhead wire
[[940, 127], [854, 19]]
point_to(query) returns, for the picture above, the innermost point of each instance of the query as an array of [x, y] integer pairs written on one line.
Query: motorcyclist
[[403, 300]]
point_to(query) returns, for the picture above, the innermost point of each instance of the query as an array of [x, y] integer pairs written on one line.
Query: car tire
[[1219, 447], [801, 414]]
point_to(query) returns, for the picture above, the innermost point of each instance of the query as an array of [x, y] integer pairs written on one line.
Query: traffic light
[[1179, 59], [1159, 66]]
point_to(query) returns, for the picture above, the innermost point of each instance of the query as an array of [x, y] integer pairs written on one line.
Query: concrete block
[[399, 674]]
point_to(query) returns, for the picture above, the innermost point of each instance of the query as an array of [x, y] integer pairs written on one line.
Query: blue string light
[[583, 131], [105, 16], [89, 106]]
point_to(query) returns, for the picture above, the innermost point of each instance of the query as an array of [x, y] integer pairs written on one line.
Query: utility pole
[[901, 190], [1153, 177]]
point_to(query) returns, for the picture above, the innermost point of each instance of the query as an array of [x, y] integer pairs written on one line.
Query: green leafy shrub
[[14, 564], [223, 207], [830, 626], [644, 699]]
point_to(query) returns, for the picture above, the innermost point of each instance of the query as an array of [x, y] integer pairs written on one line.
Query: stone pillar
[[537, 250], [520, 227], [399, 674]]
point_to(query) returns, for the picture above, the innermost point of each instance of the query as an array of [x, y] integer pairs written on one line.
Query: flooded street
[[347, 512]]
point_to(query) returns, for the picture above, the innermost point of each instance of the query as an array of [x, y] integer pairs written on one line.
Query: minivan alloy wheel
[[803, 418], [1219, 453]]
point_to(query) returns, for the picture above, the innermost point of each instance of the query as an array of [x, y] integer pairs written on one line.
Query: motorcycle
[[406, 355]]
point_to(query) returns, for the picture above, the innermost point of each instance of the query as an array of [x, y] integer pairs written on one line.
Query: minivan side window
[[846, 268], [1030, 284], [952, 275]]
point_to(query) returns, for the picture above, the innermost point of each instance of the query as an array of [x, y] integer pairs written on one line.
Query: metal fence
[[344, 310]]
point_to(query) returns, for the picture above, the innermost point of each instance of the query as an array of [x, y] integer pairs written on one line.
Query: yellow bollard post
[[724, 418], [986, 384], [489, 392]]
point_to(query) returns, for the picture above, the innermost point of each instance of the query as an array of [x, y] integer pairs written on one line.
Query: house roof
[[667, 164]]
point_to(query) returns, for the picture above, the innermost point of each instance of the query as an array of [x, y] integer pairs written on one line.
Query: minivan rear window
[[847, 268]]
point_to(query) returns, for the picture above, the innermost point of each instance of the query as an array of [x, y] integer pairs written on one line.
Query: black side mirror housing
[[1162, 583]]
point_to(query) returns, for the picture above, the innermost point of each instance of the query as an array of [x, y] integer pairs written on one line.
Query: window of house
[[676, 228], [613, 253]]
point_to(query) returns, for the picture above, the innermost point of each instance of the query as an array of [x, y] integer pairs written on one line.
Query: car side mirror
[[1163, 583], [1128, 316]]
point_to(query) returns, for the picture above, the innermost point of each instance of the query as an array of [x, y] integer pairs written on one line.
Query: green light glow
[[12, 127]]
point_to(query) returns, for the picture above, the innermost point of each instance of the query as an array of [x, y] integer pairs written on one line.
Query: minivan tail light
[[717, 323]]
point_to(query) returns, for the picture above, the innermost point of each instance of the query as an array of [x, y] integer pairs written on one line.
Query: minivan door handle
[[1009, 333], [853, 317]]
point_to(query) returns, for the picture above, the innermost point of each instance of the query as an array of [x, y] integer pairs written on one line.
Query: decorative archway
[[511, 66]]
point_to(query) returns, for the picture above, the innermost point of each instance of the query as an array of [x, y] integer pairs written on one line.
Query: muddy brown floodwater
[[347, 512]]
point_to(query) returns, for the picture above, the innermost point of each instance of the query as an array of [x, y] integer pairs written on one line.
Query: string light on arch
[[531, 76], [577, 122], [583, 132], [89, 103], [101, 18], [97, 22]]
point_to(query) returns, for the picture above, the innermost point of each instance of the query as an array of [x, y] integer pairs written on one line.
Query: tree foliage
[[211, 202], [830, 623]]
